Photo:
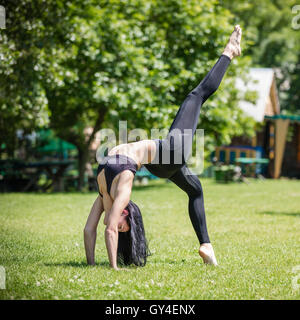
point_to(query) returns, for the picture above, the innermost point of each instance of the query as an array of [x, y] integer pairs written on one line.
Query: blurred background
[[71, 68]]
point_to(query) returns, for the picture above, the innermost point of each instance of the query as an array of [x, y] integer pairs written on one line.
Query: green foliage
[[273, 42], [292, 101], [93, 63], [116, 60], [89, 63], [22, 101], [137, 61], [31, 32]]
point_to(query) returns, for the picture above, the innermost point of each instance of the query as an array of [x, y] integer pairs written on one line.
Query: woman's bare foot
[[233, 47], [206, 252]]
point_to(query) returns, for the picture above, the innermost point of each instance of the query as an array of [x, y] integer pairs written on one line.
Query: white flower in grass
[[71, 280], [55, 298], [111, 293], [75, 277], [152, 281], [68, 296], [117, 283], [76, 244], [81, 280], [38, 283], [50, 279]]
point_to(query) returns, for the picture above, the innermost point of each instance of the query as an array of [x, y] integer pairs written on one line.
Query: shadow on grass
[[274, 213], [76, 264], [83, 264]]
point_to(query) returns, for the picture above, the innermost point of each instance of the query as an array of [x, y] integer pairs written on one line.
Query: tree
[[181, 40], [292, 101], [273, 42], [136, 61], [97, 62], [22, 99]]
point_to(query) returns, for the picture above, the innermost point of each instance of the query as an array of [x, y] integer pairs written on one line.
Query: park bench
[[249, 165], [22, 176]]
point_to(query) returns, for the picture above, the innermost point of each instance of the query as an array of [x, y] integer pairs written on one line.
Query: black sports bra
[[113, 165]]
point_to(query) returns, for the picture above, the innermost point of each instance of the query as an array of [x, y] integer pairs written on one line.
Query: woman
[[124, 234]]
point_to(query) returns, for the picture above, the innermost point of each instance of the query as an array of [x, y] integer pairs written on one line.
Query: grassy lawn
[[254, 229]]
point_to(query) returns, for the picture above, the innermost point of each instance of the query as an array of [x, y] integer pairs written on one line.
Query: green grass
[[254, 229]]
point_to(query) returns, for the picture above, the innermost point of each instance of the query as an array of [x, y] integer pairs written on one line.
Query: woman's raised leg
[[176, 147], [187, 116], [173, 152]]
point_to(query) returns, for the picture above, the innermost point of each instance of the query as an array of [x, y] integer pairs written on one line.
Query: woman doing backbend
[[124, 233]]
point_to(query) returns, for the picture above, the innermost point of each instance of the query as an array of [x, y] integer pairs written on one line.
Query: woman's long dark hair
[[133, 245]]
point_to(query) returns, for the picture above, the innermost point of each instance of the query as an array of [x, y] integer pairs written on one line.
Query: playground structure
[[271, 152]]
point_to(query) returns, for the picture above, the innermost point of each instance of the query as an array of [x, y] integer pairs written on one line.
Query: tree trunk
[[83, 154], [83, 146]]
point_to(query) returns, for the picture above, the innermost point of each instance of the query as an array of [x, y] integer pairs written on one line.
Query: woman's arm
[[90, 230], [121, 199]]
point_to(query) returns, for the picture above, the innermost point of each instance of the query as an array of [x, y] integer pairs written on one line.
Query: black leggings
[[169, 148]]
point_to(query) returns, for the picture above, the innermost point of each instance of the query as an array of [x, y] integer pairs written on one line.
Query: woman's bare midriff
[[141, 152]]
